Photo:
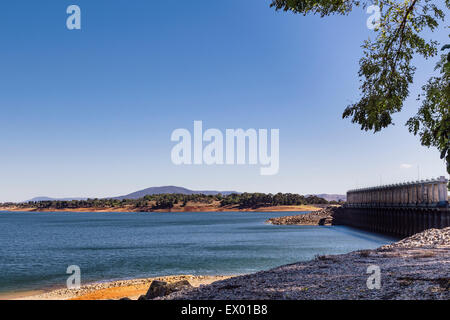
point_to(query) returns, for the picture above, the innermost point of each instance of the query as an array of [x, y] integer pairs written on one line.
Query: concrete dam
[[399, 209]]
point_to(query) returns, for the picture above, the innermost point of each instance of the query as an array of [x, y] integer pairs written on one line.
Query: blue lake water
[[37, 248]]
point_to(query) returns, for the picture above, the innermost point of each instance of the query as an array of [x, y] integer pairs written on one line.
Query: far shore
[[187, 208]]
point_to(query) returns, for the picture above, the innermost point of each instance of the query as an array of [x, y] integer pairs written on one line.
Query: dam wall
[[400, 209]]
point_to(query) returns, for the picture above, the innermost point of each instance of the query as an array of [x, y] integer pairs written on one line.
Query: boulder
[[179, 285], [327, 221], [157, 289], [161, 288]]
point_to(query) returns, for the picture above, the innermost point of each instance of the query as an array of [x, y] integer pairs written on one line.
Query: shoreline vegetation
[[179, 203], [413, 268]]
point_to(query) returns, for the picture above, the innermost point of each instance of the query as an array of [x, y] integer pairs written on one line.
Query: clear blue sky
[[90, 112]]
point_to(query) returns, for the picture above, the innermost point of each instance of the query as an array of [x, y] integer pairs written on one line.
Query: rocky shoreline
[[316, 218], [417, 267], [114, 290]]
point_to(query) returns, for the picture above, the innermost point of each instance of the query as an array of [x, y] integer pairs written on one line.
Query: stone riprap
[[431, 238], [321, 217]]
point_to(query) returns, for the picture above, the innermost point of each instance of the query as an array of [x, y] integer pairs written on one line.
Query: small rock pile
[[321, 217], [428, 238]]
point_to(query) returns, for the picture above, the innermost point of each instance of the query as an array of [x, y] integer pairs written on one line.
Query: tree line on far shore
[[167, 201]]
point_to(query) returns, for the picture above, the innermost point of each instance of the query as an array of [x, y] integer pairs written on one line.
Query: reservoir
[[37, 248]]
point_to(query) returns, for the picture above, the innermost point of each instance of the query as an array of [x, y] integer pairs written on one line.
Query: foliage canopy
[[386, 69]]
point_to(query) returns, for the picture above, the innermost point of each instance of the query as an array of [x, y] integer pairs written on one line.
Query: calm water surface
[[37, 248]]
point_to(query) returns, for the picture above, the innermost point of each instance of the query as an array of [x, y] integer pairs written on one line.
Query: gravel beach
[[132, 288]]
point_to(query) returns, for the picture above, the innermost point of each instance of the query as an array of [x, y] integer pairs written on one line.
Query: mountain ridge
[[37, 199], [171, 190], [332, 197], [141, 193], [174, 189]]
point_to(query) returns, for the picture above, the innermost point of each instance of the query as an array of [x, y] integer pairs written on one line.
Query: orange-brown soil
[[190, 207]]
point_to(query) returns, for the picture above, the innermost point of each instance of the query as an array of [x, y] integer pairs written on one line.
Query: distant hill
[[179, 190], [332, 197], [169, 189], [143, 193], [37, 199]]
